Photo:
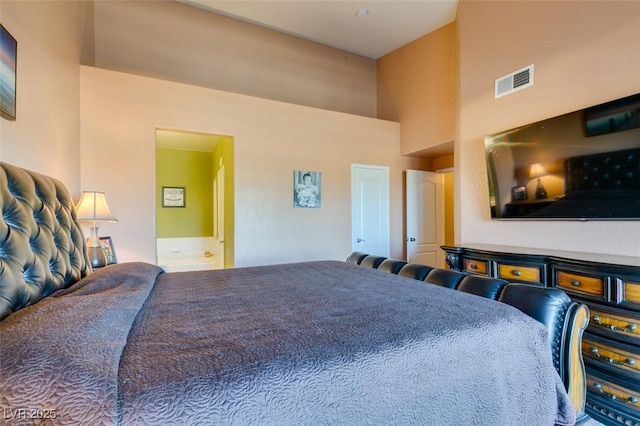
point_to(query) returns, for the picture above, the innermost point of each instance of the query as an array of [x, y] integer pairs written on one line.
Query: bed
[[325, 342]]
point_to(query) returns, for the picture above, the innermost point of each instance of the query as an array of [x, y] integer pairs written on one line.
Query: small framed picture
[[519, 193], [173, 196], [8, 60], [307, 189], [109, 252]]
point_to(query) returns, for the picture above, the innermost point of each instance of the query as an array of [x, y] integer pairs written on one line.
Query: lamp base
[[540, 191], [96, 257]]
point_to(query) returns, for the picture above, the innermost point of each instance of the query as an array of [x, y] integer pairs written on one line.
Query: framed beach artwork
[[8, 59], [307, 189]]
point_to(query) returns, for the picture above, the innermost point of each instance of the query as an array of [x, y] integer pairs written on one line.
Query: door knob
[[411, 239], [359, 240]]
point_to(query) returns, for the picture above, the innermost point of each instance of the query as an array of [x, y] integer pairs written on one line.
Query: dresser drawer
[[631, 292], [520, 273], [578, 283], [620, 326], [609, 355], [614, 393], [476, 266]]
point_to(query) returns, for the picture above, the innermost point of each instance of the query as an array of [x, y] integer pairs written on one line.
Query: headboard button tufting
[[37, 217]]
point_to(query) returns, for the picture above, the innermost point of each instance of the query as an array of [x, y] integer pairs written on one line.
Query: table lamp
[[536, 171], [93, 208]]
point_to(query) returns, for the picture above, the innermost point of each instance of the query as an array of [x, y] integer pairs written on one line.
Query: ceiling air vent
[[515, 81]]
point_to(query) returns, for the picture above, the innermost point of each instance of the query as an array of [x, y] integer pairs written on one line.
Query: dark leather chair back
[[372, 261], [392, 265], [482, 286], [415, 271], [547, 305], [356, 257], [444, 278]]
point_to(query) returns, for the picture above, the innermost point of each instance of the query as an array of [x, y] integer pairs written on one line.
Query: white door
[[424, 217], [219, 211], [370, 209]]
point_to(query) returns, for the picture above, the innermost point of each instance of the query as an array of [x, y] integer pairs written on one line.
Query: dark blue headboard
[[42, 248], [608, 170]]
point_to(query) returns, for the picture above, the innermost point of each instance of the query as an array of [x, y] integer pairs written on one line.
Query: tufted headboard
[[616, 170], [42, 248]]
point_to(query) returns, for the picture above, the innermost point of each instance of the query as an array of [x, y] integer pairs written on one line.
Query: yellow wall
[[449, 209], [192, 170], [223, 155]]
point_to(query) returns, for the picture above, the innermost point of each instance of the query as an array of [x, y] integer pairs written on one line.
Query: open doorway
[[194, 225]]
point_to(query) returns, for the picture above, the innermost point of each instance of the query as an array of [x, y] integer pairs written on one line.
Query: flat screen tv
[[584, 165]]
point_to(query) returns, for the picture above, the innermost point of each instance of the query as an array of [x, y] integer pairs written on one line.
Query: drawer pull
[[516, 273], [473, 266], [575, 283], [628, 361], [630, 399], [629, 327], [598, 387]]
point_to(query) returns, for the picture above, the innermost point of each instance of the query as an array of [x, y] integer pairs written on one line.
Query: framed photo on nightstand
[[519, 193], [109, 252]]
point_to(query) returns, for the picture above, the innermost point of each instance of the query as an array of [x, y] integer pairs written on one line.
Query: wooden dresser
[[609, 286]]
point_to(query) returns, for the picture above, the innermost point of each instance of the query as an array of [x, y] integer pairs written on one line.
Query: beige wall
[[119, 114], [417, 87], [45, 136], [584, 53], [174, 41], [582, 57]]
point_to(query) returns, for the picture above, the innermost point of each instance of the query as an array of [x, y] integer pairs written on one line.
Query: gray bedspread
[[317, 343]]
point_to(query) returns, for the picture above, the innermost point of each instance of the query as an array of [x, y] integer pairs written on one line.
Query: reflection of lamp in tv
[[536, 172], [93, 208]]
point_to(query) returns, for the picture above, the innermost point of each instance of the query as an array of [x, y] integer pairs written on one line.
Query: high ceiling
[[370, 28]]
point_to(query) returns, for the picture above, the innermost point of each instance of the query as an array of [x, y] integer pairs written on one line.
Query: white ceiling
[[388, 25]]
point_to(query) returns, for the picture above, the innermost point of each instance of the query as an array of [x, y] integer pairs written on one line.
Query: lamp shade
[[537, 170], [93, 207]]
